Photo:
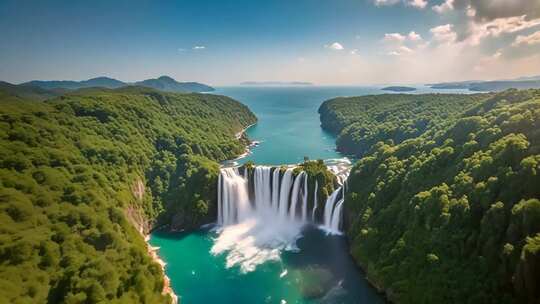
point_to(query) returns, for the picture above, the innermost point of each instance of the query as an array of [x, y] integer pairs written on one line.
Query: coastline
[[153, 252], [144, 228], [251, 144], [239, 134]]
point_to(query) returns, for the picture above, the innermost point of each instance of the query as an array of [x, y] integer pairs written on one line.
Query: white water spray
[[295, 192], [304, 199], [330, 207], [256, 229], [315, 202]]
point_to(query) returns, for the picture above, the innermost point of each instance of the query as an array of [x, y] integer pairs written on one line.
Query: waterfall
[[285, 190], [263, 193], [315, 202], [261, 211], [275, 193], [332, 211], [234, 203], [294, 198], [275, 189], [336, 216], [304, 199]]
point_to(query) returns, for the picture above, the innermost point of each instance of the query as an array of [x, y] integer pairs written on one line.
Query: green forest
[[79, 172], [361, 122], [443, 206]]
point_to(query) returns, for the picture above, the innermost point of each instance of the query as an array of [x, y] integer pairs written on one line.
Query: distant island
[[532, 82], [163, 83], [168, 84], [277, 83], [398, 89]]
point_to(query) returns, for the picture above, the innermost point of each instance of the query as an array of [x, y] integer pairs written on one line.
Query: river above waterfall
[[315, 267]]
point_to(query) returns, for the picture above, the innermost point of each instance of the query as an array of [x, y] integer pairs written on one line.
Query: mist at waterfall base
[[256, 228], [264, 256]]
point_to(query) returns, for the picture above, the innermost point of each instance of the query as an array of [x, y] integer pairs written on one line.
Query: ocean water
[[289, 127], [317, 268]]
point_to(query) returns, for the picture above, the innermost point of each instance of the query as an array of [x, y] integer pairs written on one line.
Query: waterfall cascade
[[276, 195], [261, 212]]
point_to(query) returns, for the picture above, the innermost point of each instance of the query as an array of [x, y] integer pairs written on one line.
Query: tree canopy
[[361, 122], [451, 214], [80, 173]]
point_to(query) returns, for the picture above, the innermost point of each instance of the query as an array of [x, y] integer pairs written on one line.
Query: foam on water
[[256, 227]]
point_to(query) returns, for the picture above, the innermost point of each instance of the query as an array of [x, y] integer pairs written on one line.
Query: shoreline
[[247, 151], [239, 134], [153, 252], [145, 228]]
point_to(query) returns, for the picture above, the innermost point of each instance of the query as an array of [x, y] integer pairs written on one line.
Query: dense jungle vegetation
[[452, 213], [361, 122], [79, 173]]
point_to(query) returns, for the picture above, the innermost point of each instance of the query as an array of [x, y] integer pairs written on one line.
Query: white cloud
[[385, 2], [486, 10], [509, 25], [354, 52], [180, 50], [444, 7], [394, 37], [413, 36], [470, 11], [399, 38], [199, 47], [402, 50], [418, 3], [531, 39], [400, 44], [499, 26], [444, 33], [336, 46]]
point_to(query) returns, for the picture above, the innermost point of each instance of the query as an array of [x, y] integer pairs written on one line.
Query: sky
[[328, 42]]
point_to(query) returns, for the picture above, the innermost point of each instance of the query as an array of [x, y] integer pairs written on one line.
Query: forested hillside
[[453, 215], [360, 122], [79, 172]]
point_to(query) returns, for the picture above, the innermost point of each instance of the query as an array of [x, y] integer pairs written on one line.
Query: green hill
[[163, 83], [360, 122], [399, 89], [532, 82], [451, 215], [103, 82], [81, 173], [19, 93]]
